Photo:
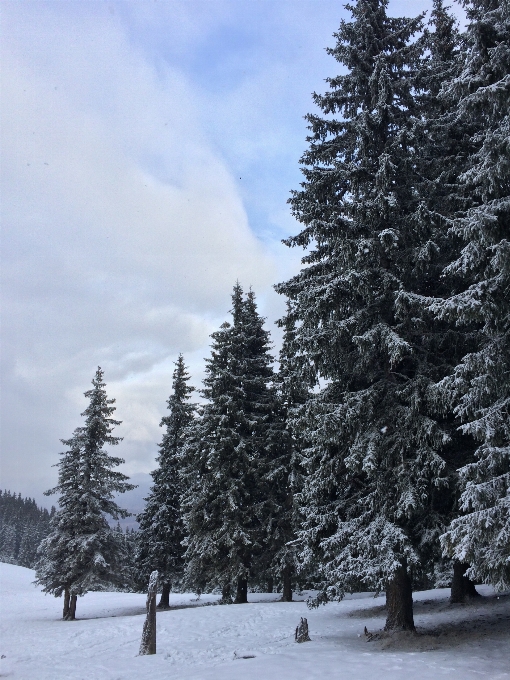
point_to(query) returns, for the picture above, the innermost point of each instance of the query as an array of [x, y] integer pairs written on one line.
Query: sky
[[148, 150]]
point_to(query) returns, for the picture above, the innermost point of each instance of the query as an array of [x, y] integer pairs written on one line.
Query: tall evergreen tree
[[479, 276], [82, 552], [224, 499], [161, 527], [442, 149], [285, 471], [373, 441]]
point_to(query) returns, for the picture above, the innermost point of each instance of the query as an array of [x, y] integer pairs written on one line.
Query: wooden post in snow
[[301, 634], [148, 643]]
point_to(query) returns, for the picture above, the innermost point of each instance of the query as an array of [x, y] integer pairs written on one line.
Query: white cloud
[[123, 235]]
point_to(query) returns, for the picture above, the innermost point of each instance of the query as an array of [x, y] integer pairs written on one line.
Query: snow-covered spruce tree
[[224, 457], [442, 148], [284, 469], [159, 545], [372, 442], [480, 278], [82, 552]]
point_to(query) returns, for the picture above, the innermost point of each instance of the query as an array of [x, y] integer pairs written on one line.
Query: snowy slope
[[199, 642]]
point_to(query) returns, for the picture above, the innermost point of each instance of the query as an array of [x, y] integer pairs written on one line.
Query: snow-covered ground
[[201, 642]]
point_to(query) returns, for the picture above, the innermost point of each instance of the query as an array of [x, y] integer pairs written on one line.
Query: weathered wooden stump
[[301, 634], [148, 643]]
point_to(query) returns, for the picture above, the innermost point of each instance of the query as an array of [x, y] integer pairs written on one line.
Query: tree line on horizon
[[377, 455], [23, 525]]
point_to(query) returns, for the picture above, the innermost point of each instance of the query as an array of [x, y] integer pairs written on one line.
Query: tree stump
[[148, 643], [301, 634]]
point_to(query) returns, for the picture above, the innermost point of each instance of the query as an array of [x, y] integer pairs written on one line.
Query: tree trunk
[[399, 602], [148, 643], [71, 616], [462, 587], [67, 598], [164, 601], [457, 593], [242, 591], [471, 591], [270, 584], [287, 584]]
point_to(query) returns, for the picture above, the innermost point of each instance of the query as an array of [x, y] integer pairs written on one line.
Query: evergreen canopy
[[479, 389], [161, 527], [82, 552], [374, 456], [224, 457]]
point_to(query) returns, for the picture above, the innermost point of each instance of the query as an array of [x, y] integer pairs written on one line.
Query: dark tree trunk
[[164, 600], [242, 591], [71, 616], [148, 643], [270, 584], [457, 593], [399, 602], [67, 598], [462, 587], [287, 584], [471, 590]]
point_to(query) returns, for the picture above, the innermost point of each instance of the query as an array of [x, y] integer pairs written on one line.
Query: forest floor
[[197, 641]]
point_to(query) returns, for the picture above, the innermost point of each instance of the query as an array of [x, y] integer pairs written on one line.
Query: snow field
[[200, 642]]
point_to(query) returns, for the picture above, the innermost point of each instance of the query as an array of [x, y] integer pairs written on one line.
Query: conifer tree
[[479, 277], [442, 148], [224, 498], [161, 530], [82, 552], [372, 442], [285, 472]]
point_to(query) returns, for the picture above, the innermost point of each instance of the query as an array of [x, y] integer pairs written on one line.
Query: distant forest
[[23, 525]]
